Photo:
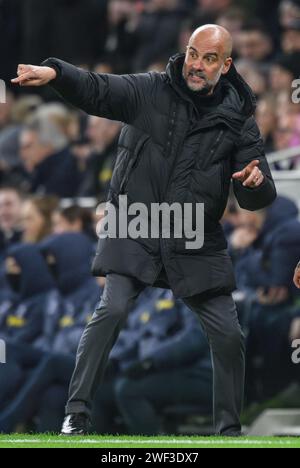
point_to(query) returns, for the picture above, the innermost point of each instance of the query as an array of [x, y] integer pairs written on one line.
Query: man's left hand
[[251, 176]]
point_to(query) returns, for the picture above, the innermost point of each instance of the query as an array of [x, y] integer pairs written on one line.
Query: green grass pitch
[[168, 443]]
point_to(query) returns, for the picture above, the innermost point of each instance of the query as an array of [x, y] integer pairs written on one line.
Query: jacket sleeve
[[115, 97], [250, 147]]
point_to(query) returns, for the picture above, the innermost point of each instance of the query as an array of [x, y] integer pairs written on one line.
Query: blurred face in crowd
[[207, 58], [253, 45], [233, 22], [101, 132], [10, 210], [284, 104], [252, 219], [96, 132], [288, 12], [12, 266], [214, 5], [252, 75], [285, 131], [62, 225], [290, 41], [119, 10], [32, 152], [163, 4], [33, 223], [265, 117], [280, 78]]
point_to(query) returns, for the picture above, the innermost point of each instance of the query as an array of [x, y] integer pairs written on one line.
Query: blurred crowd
[[55, 160]]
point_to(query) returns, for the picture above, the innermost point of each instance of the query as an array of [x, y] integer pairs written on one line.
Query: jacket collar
[[239, 102]]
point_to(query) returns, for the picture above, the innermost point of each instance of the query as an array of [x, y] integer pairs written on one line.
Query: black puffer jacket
[[169, 153]]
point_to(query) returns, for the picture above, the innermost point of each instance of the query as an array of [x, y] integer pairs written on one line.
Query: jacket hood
[[35, 276], [239, 102], [73, 253]]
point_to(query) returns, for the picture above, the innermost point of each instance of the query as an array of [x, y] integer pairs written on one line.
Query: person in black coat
[[187, 133]]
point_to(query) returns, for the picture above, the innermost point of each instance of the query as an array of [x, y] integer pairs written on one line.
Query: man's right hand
[[31, 75]]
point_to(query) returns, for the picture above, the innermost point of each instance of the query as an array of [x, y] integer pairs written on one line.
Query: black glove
[[139, 369]]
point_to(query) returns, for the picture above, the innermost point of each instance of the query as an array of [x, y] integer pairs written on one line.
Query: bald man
[[187, 132]]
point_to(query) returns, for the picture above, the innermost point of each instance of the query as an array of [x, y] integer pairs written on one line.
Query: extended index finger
[[23, 77]]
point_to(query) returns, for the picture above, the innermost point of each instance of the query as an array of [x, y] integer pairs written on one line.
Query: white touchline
[[150, 441]]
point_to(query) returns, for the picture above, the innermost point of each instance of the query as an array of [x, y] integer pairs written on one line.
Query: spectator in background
[[23, 319], [37, 218], [254, 43], [233, 20], [74, 219], [253, 75], [273, 236], [10, 217], [165, 360], [287, 135], [214, 7], [283, 71], [157, 32], [103, 136], [290, 40], [69, 257], [45, 153], [10, 162], [30, 279], [266, 120], [121, 41], [268, 242], [284, 104], [267, 13], [289, 11], [10, 234]]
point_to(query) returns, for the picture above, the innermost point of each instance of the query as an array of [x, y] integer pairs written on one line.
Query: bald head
[[213, 35], [208, 57]]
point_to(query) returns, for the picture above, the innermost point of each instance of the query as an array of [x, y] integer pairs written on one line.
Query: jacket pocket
[[133, 162]]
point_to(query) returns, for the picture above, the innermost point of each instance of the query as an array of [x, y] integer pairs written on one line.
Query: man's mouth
[[196, 77]]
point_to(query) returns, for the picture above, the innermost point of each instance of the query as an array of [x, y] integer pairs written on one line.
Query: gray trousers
[[218, 317]]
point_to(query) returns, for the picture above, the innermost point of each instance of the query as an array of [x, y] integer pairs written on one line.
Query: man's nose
[[199, 65]]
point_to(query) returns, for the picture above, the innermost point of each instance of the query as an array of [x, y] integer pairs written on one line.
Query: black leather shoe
[[76, 424]]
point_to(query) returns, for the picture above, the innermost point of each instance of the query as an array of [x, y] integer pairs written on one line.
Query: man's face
[[10, 209], [252, 219], [205, 62], [214, 5], [290, 41], [31, 150], [253, 45]]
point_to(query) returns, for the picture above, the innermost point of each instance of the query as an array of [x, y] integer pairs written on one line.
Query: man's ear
[[226, 66]]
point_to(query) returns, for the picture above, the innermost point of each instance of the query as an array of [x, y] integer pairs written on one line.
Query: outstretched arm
[[112, 96]]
